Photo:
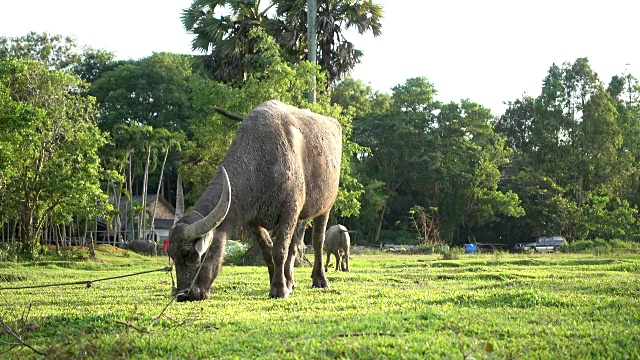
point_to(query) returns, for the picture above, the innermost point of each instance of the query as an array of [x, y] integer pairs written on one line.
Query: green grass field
[[543, 306]]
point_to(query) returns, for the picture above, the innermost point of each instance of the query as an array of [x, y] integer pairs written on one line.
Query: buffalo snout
[[194, 294]]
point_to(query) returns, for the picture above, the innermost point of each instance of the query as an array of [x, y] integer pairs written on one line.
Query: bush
[[9, 251], [73, 253], [602, 246], [234, 252], [453, 253]]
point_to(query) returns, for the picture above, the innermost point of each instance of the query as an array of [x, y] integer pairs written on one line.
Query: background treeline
[[79, 131]]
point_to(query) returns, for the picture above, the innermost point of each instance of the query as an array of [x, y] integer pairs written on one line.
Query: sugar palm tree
[[336, 55], [222, 32], [221, 29]]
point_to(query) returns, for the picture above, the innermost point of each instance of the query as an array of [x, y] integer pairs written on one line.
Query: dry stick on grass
[[173, 298], [16, 334], [363, 334], [148, 329]]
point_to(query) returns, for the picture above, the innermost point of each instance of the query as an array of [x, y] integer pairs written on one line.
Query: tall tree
[[396, 145], [572, 135], [337, 56], [53, 161], [152, 91], [221, 29], [444, 158], [60, 53]]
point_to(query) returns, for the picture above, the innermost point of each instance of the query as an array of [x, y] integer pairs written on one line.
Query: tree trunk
[[92, 237], [155, 206], [145, 186], [379, 227], [130, 181]]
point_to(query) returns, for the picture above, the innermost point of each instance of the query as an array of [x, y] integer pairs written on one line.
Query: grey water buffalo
[[338, 242], [141, 246], [282, 166]]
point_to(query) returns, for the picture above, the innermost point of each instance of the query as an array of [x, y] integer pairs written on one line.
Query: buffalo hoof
[[291, 285], [320, 284], [279, 293]]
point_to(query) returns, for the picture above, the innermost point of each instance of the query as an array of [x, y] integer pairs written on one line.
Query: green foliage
[[445, 157], [602, 247], [50, 162], [580, 138], [608, 217], [53, 51], [223, 30], [453, 253], [387, 306], [58, 52], [548, 210], [9, 252], [234, 255], [152, 91], [360, 99]]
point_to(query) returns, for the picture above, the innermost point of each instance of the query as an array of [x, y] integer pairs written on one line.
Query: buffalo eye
[[184, 253]]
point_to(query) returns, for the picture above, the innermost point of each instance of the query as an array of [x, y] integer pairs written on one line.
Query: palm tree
[[225, 38], [222, 33], [336, 55]]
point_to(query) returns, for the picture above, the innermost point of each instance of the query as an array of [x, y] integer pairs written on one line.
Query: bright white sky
[[489, 51]]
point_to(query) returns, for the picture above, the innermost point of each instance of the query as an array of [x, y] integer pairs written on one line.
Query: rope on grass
[[88, 283]]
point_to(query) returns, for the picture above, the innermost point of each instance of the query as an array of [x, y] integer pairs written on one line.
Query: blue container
[[471, 248]]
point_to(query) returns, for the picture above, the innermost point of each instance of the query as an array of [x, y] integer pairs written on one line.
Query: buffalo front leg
[[318, 274]]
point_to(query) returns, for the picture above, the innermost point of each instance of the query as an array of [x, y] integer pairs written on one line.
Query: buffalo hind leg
[[280, 253], [339, 260], [326, 265], [288, 265], [264, 241], [345, 261], [318, 276]]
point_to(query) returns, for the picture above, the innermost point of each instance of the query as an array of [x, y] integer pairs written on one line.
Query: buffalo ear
[[202, 245]]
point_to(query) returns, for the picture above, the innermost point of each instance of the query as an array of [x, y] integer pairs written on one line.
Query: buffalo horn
[[215, 217]]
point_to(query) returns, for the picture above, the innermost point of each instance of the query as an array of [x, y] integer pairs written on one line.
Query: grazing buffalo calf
[[282, 166], [338, 243]]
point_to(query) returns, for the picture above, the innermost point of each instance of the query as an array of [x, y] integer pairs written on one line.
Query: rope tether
[[89, 283]]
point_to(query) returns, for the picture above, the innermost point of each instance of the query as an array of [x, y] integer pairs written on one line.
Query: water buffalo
[[282, 166], [142, 246], [338, 243]]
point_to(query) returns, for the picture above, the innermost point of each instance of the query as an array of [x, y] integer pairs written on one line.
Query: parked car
[[542, 244]]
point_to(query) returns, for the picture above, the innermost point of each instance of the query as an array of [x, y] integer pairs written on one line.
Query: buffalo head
[[194, 247]]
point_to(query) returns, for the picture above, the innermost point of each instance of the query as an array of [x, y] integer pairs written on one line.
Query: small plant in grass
[[73, 253], [452, 253]]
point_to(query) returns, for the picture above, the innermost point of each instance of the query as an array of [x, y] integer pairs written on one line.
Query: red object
[[165, 246]]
